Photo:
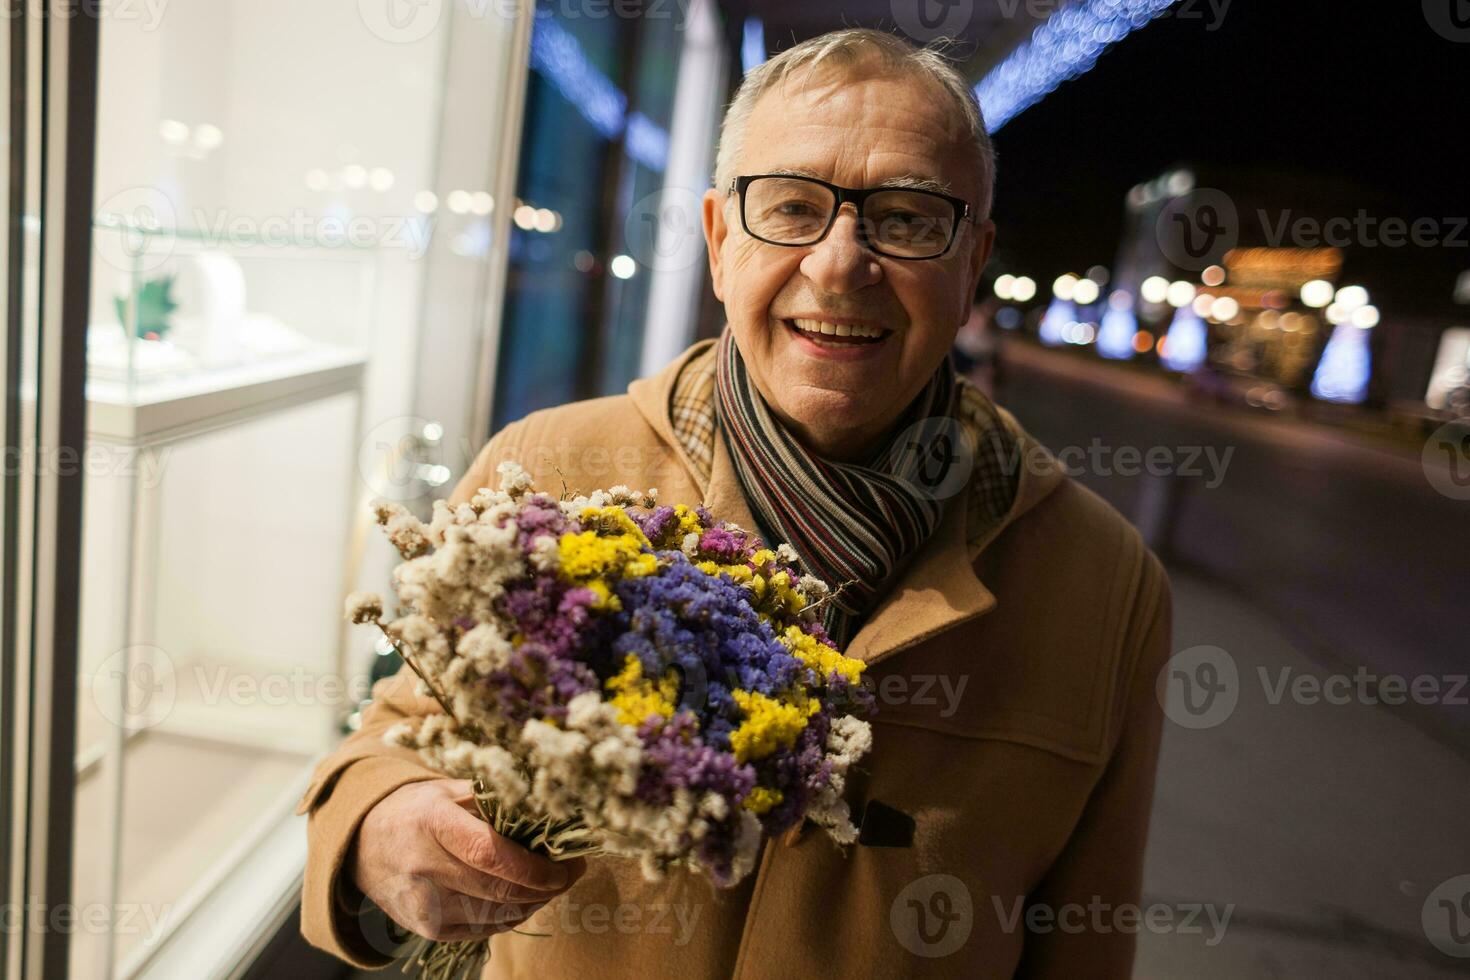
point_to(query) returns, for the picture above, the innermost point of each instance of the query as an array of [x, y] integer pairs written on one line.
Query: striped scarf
[[852, 524]]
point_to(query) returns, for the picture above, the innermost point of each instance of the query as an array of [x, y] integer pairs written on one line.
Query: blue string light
[[1115, 334], [559, 58], [752, 44], [1187, 343], [1059, 316], [1346, 366], [1066, 46]]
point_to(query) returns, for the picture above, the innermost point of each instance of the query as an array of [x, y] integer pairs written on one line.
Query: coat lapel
[[937, 591]]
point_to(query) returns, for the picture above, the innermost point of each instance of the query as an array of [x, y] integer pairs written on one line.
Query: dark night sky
[[1320, 106]]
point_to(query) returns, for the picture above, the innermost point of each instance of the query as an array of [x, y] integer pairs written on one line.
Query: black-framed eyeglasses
[[899, 222]]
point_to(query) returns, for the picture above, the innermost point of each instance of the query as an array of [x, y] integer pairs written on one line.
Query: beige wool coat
[[1008, 791]]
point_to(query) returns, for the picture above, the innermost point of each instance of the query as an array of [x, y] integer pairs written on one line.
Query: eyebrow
[[912, 182]]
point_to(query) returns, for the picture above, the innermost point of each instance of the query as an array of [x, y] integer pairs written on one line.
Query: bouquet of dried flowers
[[619, 677]]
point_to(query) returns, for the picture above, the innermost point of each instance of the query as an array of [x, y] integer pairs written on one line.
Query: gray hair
[[850, 51]]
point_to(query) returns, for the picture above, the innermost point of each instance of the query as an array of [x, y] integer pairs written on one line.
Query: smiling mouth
[[825, 334]]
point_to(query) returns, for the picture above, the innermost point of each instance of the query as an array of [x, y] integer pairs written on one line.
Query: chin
[[815, 407]]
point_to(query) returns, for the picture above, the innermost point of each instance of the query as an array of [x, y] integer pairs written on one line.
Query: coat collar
[[936, 591]]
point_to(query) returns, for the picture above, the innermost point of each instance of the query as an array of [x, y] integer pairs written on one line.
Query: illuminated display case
[[195, 319], [224, 410]]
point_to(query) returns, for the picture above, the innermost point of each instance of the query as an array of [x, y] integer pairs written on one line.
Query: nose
[[839, 263]]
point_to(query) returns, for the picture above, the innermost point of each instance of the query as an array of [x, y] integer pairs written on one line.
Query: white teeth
[[837, 329]]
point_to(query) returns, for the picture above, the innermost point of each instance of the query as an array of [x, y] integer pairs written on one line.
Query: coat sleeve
[[1102, 863], [355, 777]]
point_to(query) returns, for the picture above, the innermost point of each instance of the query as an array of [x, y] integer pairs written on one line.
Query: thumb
[[473, 842], [461, 791]]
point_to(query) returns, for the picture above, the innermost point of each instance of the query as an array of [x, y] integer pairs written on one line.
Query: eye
[[796, 209]]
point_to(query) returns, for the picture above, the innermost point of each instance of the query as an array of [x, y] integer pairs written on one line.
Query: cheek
[[756, 276], [931, 294]]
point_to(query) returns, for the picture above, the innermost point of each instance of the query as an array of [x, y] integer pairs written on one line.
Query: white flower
[[514, 480], [714, 805], [545, 554], [813, 587], [747, 846], [849, 739], [835, 818], [364, 607], [405, 532], [486, 647], [403, 733], [498, 769]]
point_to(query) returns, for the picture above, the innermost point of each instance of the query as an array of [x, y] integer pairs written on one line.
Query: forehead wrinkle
[[848, 133], [907, 157]]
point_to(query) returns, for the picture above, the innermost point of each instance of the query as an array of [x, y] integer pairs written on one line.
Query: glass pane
[[268, 188], [601, 93]]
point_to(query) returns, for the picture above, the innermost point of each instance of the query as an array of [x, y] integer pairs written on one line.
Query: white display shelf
[[174, 408]]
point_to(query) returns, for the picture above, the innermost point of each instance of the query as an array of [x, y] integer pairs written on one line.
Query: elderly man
[[1013, 625]]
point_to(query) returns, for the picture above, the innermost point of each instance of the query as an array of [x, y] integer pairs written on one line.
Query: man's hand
[[425, 857]]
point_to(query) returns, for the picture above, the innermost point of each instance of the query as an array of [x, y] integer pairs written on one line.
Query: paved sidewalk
[[1322, 828]]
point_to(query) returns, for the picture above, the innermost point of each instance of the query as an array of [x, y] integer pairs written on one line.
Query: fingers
[[467, 911], [471, 841], [455, 875]]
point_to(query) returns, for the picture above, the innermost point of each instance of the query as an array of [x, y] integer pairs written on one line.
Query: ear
[[715, 230], [979, 256]]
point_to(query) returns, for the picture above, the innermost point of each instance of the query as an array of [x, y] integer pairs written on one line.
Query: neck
[[839, 445]]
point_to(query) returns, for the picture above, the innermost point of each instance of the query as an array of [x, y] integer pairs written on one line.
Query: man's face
[[855, 133]]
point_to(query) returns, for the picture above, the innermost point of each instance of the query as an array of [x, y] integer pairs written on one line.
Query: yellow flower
[[636, 697], [614, 522], [819, 656], [595, 561], [688, 520], [740, 573], [762, 799], [605, 598], [783, 596], [769, 724]]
